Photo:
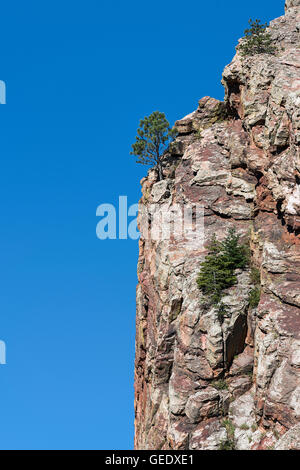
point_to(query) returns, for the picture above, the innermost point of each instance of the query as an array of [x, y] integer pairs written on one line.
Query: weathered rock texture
[[195, 376]]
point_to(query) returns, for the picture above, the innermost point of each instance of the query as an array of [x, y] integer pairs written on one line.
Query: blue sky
[[79, 77]]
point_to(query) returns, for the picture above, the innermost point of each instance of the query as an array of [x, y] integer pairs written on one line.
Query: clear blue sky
[[80, 75]]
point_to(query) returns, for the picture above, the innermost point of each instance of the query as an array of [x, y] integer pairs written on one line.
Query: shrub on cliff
[[153, 139], [256, 40], [229, 443], [254, 296], [217, 271]]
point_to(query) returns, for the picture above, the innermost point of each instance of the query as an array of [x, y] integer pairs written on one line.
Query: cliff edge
[[202, 382]]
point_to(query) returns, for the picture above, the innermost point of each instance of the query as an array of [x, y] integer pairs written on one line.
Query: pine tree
[[256, 40], [237, 255], [153, 139], [217, 271]]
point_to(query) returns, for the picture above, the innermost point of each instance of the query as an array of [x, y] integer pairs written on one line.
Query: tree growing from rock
[[256, 40], [153, 138], [217, 271]]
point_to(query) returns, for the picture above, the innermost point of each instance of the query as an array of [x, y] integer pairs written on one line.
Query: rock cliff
[[202, 382]]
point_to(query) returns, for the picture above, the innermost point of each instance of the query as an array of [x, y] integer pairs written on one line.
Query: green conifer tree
[[256, 40], [217, 271], [153, 139]]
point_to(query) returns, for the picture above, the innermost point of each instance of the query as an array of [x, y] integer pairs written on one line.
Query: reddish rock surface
[[240, 160]]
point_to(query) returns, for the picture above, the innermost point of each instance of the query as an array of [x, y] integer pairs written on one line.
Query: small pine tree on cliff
[[153, 139], [256, 40], [218, 269]]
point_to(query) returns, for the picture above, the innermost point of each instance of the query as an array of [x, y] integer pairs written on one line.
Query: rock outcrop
[[202, 382]]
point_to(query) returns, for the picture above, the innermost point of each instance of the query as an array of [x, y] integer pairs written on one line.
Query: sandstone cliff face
[[241, 160]]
